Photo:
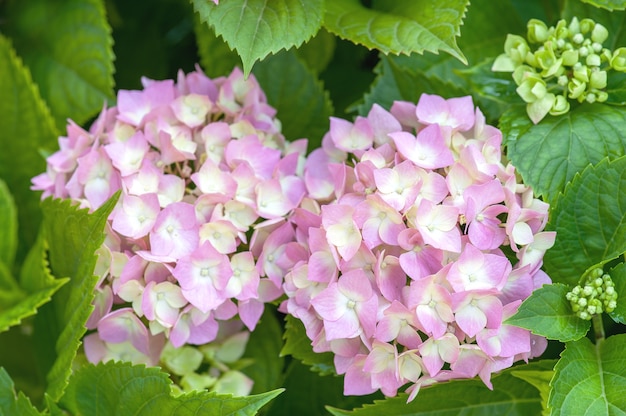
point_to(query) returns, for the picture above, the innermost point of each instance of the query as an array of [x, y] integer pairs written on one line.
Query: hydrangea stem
[[598, 327]]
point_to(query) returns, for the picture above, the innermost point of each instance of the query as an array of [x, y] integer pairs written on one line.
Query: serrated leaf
[[550, 153], [302, 104], [590, 379], [607, 4], [510, 396], [404, 26], [73, 236], [68, 46], [256, 28], [618, 275], [8, 225], [298, 345], [541, 381], [11, 403], [546, 312], [23, 115], [263, 349], [216, 57], [590, 221], [124, 389]]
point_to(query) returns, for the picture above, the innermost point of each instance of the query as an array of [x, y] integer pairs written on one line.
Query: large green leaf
[[256, 28], [298, 345], [400, 26], [318, 52], [8, 225], [12, 404], [590, 379], [68, 46], [618, 275], [302, 104], [73, 236], [263, 349], [123, 389], [216, 57], [541, 380], [550, 153], [608, 4], [546, 312], [25, 127], [510, 396], [590, 221]]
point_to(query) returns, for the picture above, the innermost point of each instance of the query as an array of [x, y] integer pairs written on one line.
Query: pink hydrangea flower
[[405, 279]]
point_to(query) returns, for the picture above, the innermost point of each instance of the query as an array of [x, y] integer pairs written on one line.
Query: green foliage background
[[63, 59]]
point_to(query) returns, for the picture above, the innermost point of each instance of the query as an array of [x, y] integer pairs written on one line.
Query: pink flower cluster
[[207, 181], [407, 279]]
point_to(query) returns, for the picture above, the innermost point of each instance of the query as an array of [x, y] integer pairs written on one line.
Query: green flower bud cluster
[[596, 295], [559, 63]]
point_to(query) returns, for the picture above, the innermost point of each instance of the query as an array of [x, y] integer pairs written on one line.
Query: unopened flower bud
[[537, 31], [618, 60], [581, 73], [593, 60], [597, 79], [574, 26], [591, 98], [569, 57], [578, 38], [586, 26], [516, 48], [560, 106], [601, 96], [576, 88], [533, 88], [599, 33]]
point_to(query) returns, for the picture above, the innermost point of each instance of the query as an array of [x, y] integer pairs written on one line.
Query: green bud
[[503, 63], [195, 381], [597, 47], [574, 26], [581, 73], [586, 26], [560, 106], [593, 60], [576, 88], [599, 33], [522, 72], [578, 38], [548, 62], [183, 360], [583, 51], [569, 57], [591, 98], [540, 108], [618, 60], [516, 48], [584, 315], [562, 80], [537, 31], [532, 88], [561, 31]]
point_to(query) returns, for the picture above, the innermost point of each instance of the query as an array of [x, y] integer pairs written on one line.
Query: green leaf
[[318, 52], [8, 225], [11, 403], [263, 349], [550, 153], [539, 379], [302, 104], [546, 312], [73, 235], [401, 26], [123, 389], [298, 345], [510, 396], [10, 292], [216, 57], [68, 46], [607, 4], [590, 379], [256, 28], [618, 275], [590, 221], [23, 115]]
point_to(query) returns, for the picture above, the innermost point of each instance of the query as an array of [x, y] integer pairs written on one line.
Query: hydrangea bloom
[[195, 245], [406, 279]]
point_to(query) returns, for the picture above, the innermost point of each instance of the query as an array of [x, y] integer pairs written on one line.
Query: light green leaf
[[510, 396], [607, 4], [590, 379], [549, 154], [73, 236], [541, 380], [68, 46], [8, 225], [216, 57], [256, 28], [618, 275], [399, 27], [546, 312], [298, 345], [590, 221], [23, 115], [124, 389], [302, 104], [13, 404], [263, 350]]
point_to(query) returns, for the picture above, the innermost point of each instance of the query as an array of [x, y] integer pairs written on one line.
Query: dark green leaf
[[256, 28], [23, 115], [318, 52], [123, 389], [8, 225], [73, 236], [541, 381], [302, 104], [403, 26], [589, 379], [550, 153], [546, 312], [608, 4], [68, 46], [590, 221], [298, 345], [510, 396], [12, 404], [618, 275]]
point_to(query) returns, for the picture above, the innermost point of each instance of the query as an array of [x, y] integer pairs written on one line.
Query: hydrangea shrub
[[192, 251], [422, 244]]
